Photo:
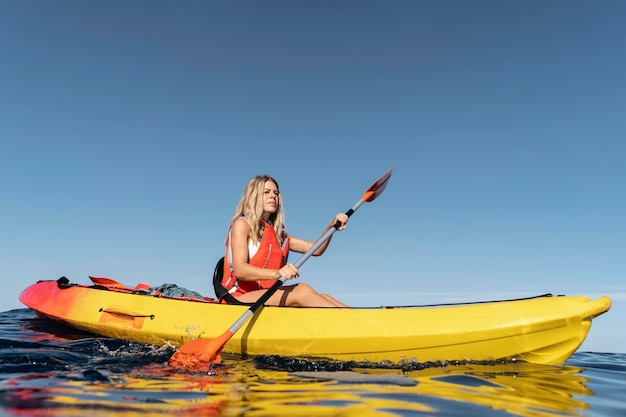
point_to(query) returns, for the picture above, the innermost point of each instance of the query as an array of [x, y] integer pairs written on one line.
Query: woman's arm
[[301, 245]]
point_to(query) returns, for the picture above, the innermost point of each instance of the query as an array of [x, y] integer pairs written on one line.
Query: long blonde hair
[[251, 208]]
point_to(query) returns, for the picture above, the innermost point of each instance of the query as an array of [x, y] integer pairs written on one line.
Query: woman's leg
[[334, 300], [301, 295]]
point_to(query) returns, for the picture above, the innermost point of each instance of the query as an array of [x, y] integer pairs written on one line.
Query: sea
[[47, 369]]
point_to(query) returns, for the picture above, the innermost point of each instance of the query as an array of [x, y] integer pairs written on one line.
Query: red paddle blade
[[106, 282], [199, 354], [378, 187]]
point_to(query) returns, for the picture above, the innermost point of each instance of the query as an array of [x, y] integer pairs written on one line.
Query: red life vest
[[270, 254]]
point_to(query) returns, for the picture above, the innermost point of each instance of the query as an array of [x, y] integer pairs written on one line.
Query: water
[[49, 370]]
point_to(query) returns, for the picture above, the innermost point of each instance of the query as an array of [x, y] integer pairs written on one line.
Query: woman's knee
[[303, 288]]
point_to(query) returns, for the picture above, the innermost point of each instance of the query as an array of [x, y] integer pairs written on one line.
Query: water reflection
[[521, 389], [244, 389]]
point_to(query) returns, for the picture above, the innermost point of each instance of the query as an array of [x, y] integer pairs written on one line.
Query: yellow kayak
[[544, 329]]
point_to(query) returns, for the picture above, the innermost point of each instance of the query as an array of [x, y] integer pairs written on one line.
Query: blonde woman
[[257, 248]]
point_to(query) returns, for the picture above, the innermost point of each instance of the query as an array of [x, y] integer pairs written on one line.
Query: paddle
[[198, 354]]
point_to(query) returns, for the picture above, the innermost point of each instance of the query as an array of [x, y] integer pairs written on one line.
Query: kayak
[[545, 329]]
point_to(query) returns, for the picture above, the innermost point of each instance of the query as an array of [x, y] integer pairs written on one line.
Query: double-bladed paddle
[[198, 354]]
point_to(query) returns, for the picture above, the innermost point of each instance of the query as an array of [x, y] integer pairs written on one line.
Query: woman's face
[[271, 197]]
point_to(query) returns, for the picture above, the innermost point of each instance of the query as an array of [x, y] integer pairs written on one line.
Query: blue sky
[[129, 130]]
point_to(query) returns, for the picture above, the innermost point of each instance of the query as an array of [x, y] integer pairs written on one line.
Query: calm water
[[50, 370]]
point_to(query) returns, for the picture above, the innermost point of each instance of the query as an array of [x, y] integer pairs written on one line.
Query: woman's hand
[[342, 218], [288, 271]]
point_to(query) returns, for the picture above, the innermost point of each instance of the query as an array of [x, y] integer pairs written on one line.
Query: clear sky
[[129, 129]]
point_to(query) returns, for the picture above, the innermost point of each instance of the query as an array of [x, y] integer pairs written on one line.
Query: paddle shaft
[[305, 256]]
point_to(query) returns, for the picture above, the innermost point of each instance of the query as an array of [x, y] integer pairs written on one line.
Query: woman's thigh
[[280, 297]]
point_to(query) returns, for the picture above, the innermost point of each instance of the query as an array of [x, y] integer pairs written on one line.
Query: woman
[[257, 249]]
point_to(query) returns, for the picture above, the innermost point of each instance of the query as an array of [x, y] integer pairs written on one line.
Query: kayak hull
[[543, 330]]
